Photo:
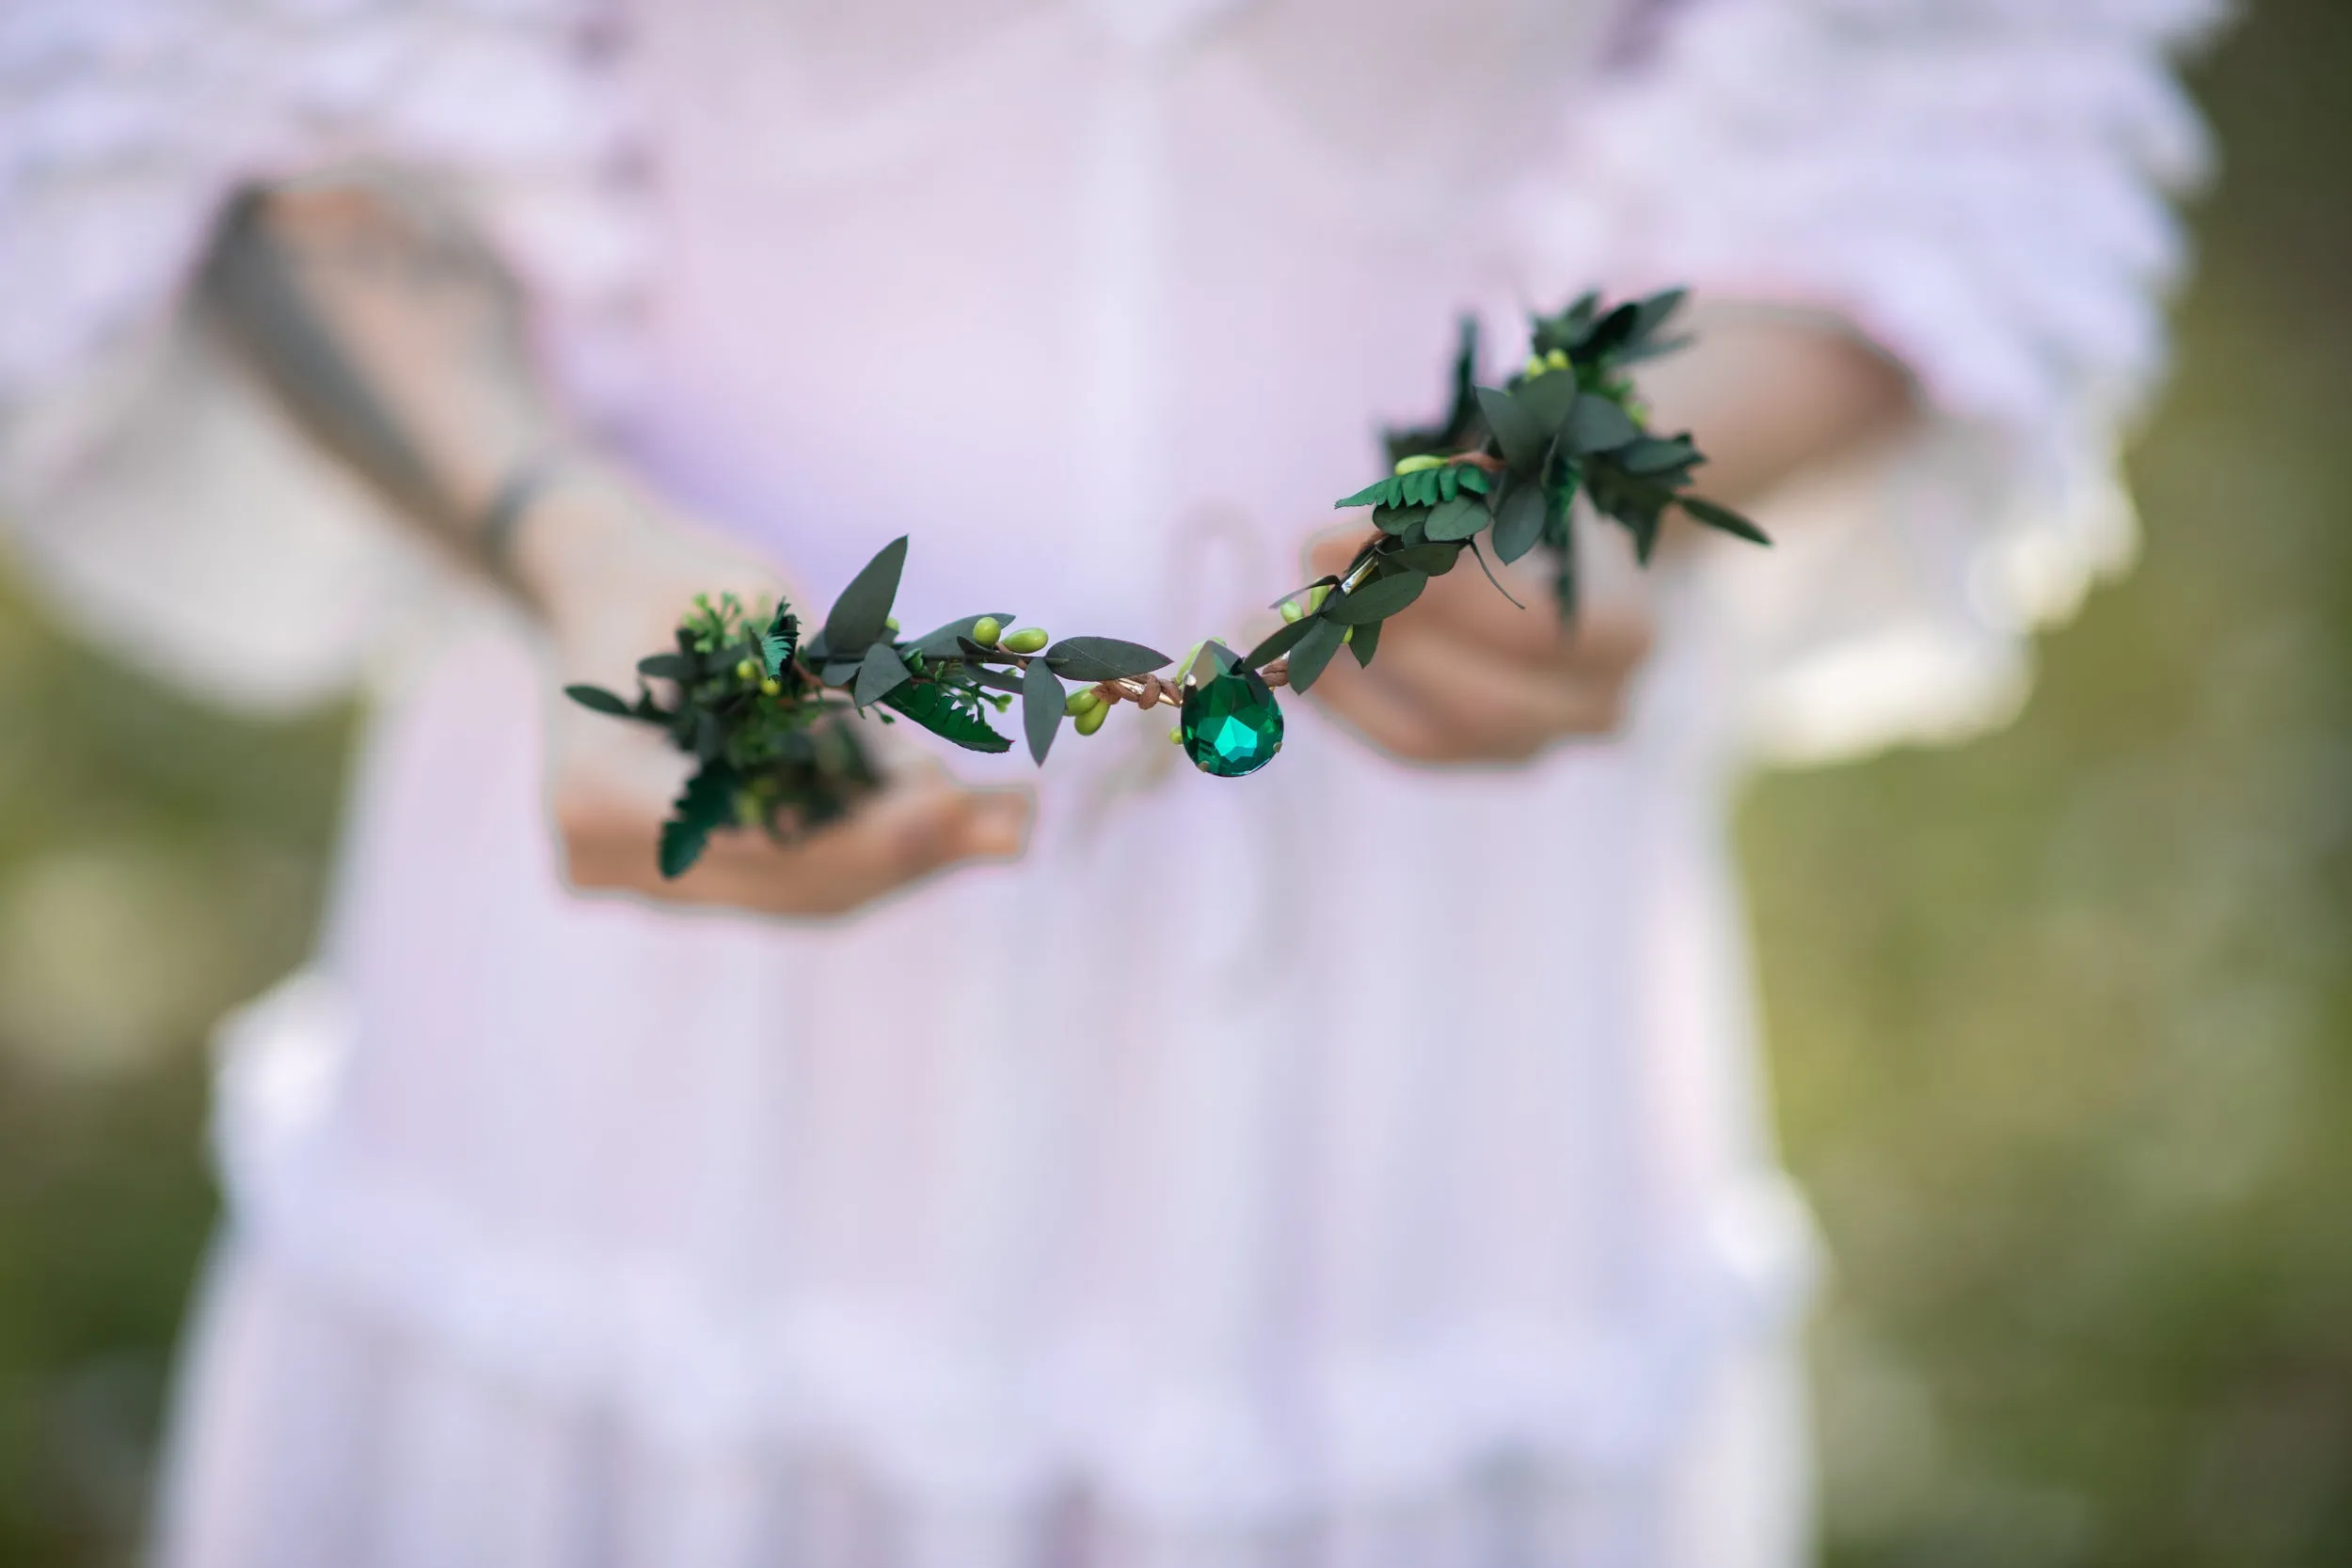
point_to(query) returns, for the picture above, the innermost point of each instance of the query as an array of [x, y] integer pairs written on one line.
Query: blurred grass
[[158, 863], [2060, 1018]]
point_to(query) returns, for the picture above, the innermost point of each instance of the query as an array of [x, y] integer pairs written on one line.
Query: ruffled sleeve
[[1979, 188], [144, 477]]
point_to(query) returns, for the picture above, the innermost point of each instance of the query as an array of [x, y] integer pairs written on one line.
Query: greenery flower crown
[[764, 709]]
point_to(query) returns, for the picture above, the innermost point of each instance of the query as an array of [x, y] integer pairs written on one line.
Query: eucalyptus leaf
[[682, 844], [1397, 519], [596, 697], [1644, 527], [1456, 520], [1042, 700], [1566, 330], [1723, 517], [1596, 423], [1519, 521], [1652, 313], [1376, 600], [1461, 426], [1101, 658], [1549, 398], [1313, 652], [989, 675], [863, 611], [1656, 348], [1366, 640], [881, 672], [1653, 455], [1434, 559], [1522, 436], [1613, 330], [670, 667], [1279, 641]]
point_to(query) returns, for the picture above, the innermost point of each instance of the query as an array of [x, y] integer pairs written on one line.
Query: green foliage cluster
[[1509, 463], [763, 711]]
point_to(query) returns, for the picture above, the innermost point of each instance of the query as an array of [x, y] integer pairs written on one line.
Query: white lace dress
[[1412, 1203]]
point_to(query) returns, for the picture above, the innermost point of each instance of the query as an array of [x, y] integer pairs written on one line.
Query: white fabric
[[1352, 1165], [1978, 188], [147, 482]]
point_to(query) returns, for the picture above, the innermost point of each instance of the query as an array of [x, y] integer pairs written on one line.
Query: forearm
[[392, 335], [1769, 396]]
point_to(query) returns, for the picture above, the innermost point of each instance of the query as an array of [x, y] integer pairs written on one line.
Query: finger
[[1606, 638], [1462, 601], [1377, 713], [1468, 608], [1492, 704], [904, 835], [1610, 641]]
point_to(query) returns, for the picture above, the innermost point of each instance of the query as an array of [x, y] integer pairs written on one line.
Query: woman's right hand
[[610, 574]]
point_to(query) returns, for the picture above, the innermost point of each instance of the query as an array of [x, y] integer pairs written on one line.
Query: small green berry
[[1028, 640], [1085, 699], [890, 623], [1091, 720], [1533, 368], [1315, 597], [1177, 735], [1291, 612], [986, 630], [1419, 464], [1348, 636], [746, 669], [772, 686], [1557, 359]]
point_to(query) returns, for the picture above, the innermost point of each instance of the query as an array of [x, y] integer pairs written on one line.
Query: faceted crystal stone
[[1231, 726]]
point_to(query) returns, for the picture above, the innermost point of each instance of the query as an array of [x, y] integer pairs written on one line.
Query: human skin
[[390, 332], [392, 335], [1464, 679]]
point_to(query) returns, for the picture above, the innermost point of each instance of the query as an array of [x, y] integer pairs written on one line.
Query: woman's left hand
[[1461, 676]]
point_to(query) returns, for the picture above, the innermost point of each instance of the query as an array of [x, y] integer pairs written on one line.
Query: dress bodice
[[1110, 270]]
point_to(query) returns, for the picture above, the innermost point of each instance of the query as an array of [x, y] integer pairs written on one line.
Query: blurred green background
[[2061, 1020]]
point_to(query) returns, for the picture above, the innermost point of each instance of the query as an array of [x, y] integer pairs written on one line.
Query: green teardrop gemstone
[[1231, 726]]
